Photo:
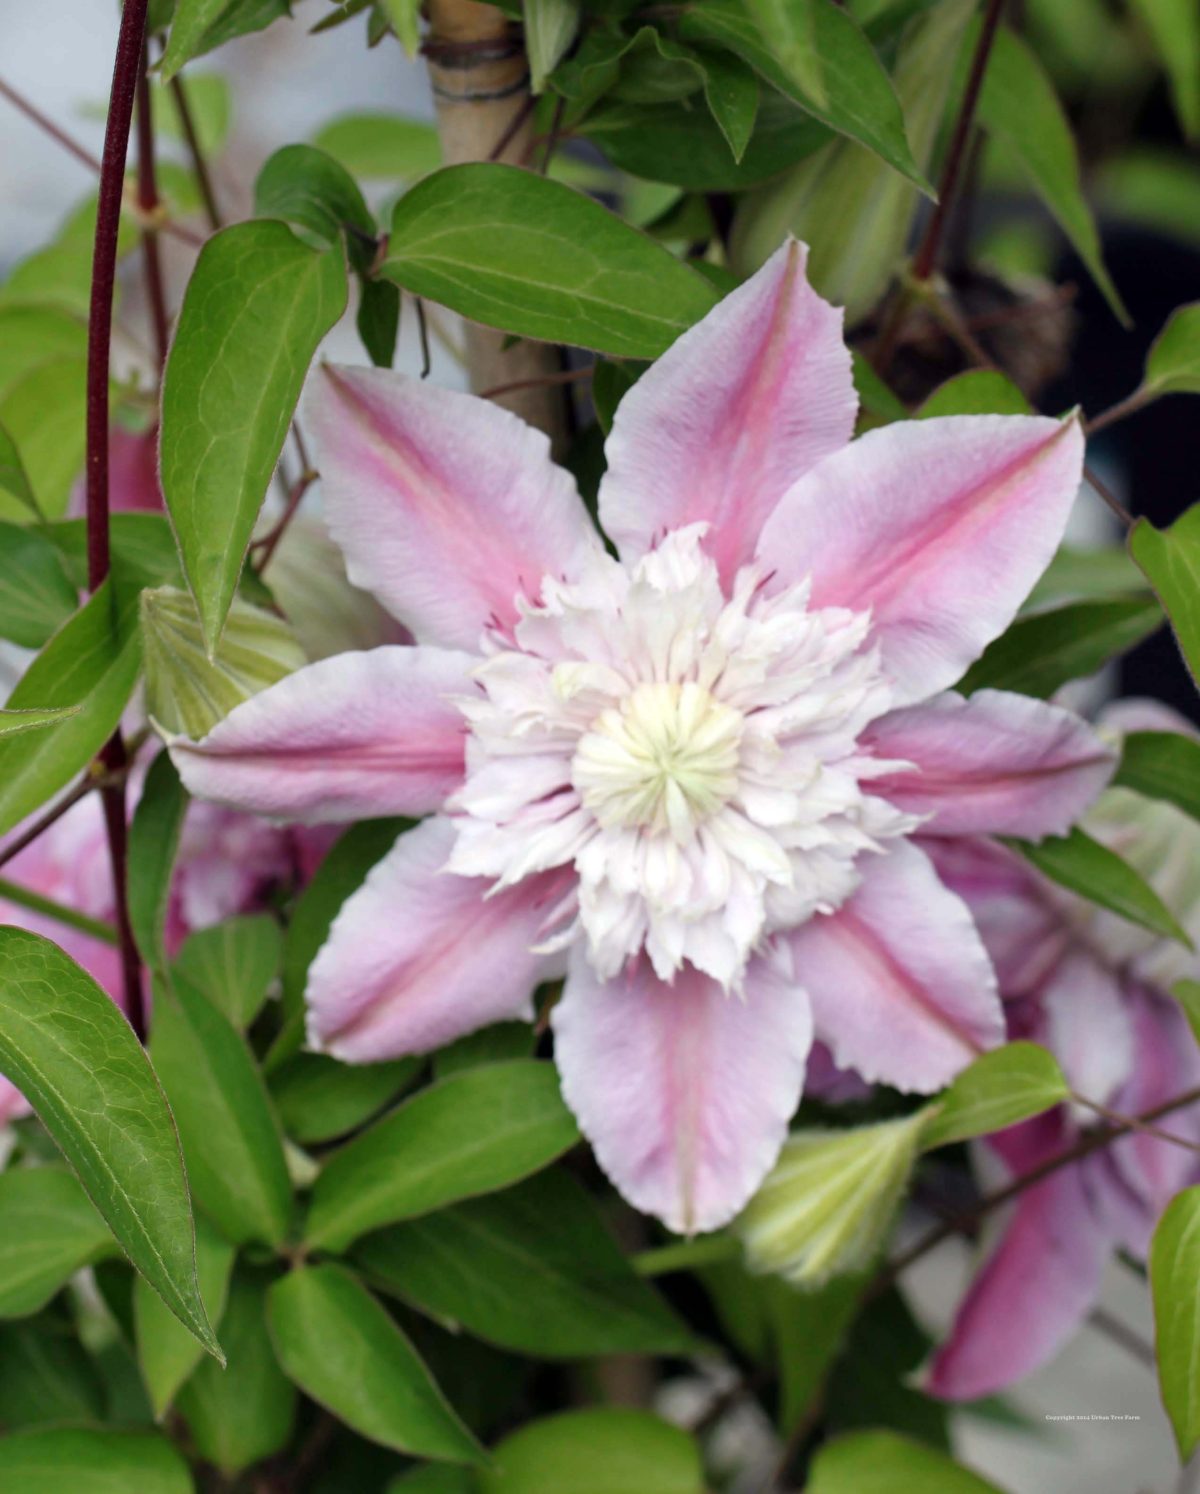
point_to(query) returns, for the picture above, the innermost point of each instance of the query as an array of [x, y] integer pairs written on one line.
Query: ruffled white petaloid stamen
[[694, 756]]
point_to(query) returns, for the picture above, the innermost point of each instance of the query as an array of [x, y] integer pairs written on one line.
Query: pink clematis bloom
[[687, 778], [226, 864], [1092, 989]]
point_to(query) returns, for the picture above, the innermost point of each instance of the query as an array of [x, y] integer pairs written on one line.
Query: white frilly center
[[693, 756]]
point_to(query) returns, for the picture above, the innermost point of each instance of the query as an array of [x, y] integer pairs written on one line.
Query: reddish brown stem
[[270, 541], [199, 165], [127, 70], [148, 201], [926, 255], [52, 816]]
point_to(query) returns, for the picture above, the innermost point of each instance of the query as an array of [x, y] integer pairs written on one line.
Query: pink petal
[[993, 764], [901, 987], [730, 416], [352, 737], [939, 527], [1033, 1292], [1086, 1023], [446, 506], [684, 1092], [419, 956]]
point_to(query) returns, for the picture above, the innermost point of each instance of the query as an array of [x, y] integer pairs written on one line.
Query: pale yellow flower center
[[665, 759]]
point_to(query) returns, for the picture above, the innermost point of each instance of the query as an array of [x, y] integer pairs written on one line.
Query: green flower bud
[[188, 692], [826, 1207]]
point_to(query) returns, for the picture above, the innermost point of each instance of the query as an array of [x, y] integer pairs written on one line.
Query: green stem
[[13, 892]]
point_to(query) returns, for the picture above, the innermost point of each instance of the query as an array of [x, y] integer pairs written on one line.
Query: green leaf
[[550, 27], [318, 1098], [189, 690], [599, 1451], [46, 1375], [473, 1133], [1008, 1085], [402, 17], [1086, 575], [230, 1137], [153, 845], [48, 1231], [494, 1044], [874, 395], [258, 303], [480, 1265], [43, 416], [342, 1349], [387, 147], [528, 255], [14, 480], [1083, 865], [1170, 561], [1040, 653], [378, 320], [435, 1478], [1162, 765], [201, 25], [52, 1460], [1187, 993], [788, 29], [143, 553], [732, 93], [680, 144], [808, 1328], [860, 101], [64, 1042], [243, 1413], [167, 1352], [1019, 107], [1175, 27], [979, 391], [13, 723], [36, 594], [1175, 1287], [315, 193], [883, 1462], [90, 663], [233, 964], [31, 335], [342, 872], [1173, 362]]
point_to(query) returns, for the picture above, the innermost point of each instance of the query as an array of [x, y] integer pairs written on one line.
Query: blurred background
[[285, 85]]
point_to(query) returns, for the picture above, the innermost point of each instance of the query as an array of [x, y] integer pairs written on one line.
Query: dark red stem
[[127, 71], [199, 164], [147, 193], [926, 255]]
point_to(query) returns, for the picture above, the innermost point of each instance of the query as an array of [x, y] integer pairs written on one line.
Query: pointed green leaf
[[1175, 27], [201, 25], [1162, 765], [605, 1450], [30, 335], [1170, 561], [342, 1349], [153, 844], [258, 303], [14, 480], [550, 27], [90, 663], [789, 29], [48, 1231], [481, 1263], [42, 414], [1173, 363], [860, 100], [167, 1352], [46, 1375], [1040, 653], [1019, 106], [999, 1089], [533, 257], [319, 1099], [1083, 865], [1187, 993], [316, 194], [13, 723], [979, 391], [230, 1136], [475, 1132], [385, 147], [36, 594], [245, 1412], [1175, 1287], [64, 1042], [52, 1460], [403, 16], [732, 93]]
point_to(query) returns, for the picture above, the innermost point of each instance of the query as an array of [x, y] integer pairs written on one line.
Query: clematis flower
[[1092, 989], [226, 864], [687, 778]]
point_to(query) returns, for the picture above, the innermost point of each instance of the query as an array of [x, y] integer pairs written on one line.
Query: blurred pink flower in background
[[1092, 988]]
